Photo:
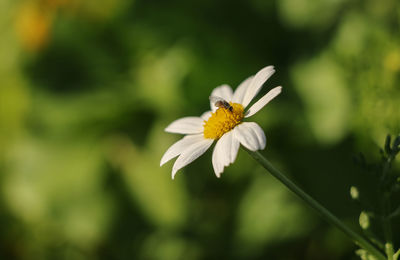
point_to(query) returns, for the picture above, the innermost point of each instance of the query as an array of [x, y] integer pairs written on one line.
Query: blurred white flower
[[223, 123]]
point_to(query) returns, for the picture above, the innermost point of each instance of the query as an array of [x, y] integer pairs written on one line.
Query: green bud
[[364, 220], [364, 255], [354, 193]]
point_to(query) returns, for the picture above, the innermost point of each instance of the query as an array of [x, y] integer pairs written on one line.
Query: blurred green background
[[87, 87]]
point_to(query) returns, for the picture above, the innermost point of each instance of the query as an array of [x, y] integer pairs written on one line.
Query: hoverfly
[[220, 102]]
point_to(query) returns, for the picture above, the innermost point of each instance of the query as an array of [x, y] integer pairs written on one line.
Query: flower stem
[[386, 208], [387, 227], [326, 214]]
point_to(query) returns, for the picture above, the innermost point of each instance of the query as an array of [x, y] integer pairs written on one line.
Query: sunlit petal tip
[[169, 154], [250, 135], [191, 153], [218, 171], [263, 101], [263, 145], [173, 174], [178, 147], [261, 138], [255, 85], [167, 157], [217, 166]]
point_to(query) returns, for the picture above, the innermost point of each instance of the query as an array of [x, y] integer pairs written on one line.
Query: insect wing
[[215, 99]]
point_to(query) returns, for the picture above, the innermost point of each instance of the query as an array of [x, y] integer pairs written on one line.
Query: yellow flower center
[[223, 120]]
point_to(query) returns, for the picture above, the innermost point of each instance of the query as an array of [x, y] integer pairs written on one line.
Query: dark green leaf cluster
[[387, 186], [390, 180]]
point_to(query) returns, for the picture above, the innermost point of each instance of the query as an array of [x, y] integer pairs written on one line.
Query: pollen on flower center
[[223, 120]]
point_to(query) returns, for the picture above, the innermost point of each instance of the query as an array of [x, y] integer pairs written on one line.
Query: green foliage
[[364, 255], [387, 206], [87, 87]]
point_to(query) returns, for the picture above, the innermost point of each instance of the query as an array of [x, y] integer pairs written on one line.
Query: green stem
[[328, 216], [387, 227], [386, 208], [396, 255], [389, 250]]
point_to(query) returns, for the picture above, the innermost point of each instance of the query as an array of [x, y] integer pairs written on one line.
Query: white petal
[[206, 115], [250, 135], [241, 90], [178, 147], [256, 84], [234, 147], [190, 154], [263, 101], [225, 152], [186, 125], [218, 158], [223, 91]]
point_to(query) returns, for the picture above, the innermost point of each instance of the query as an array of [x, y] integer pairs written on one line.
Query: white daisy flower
[[223, 124]]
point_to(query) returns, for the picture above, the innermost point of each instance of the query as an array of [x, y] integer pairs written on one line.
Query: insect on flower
[[220, 102], [224, 124]]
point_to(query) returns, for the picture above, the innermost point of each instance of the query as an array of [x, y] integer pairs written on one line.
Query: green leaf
[[364, 255]]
